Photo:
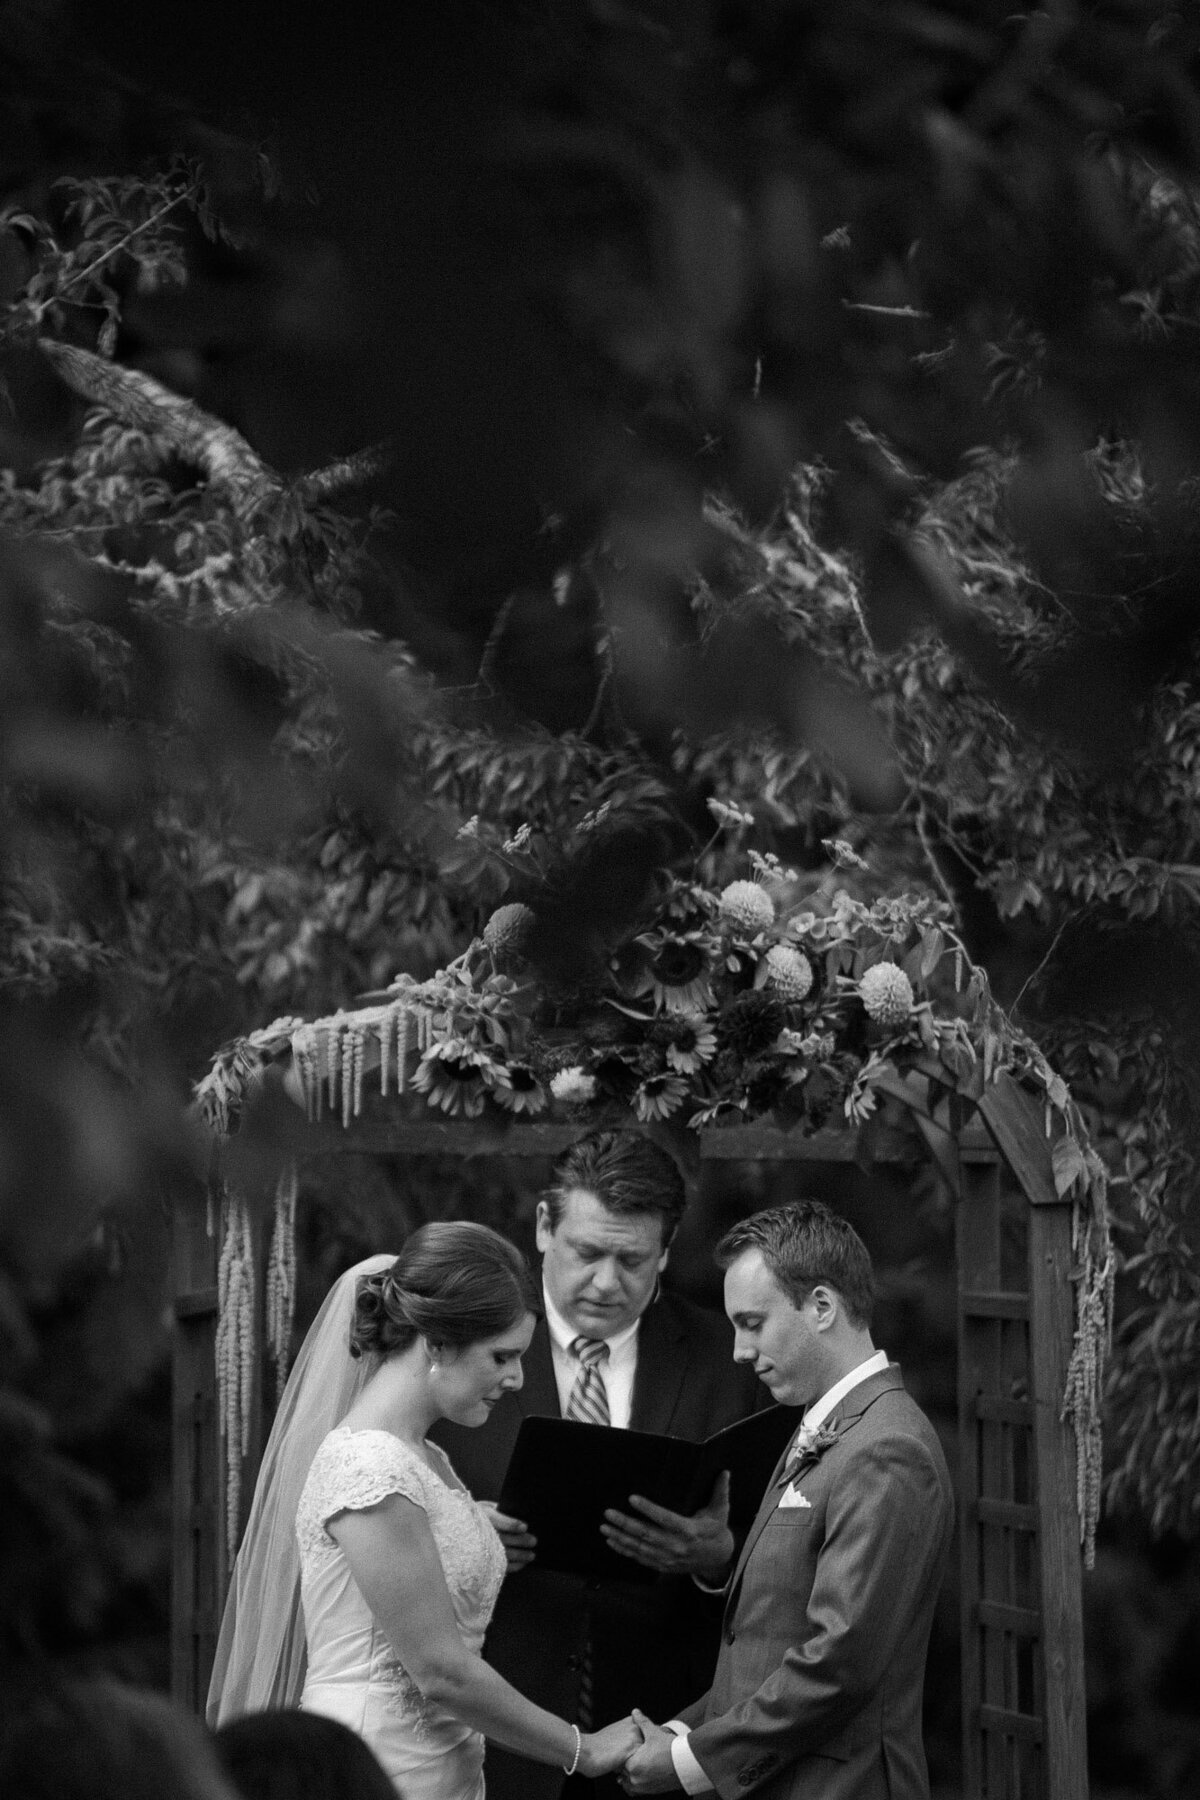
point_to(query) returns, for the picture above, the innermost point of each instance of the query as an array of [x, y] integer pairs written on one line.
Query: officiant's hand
[[519, 1542], [671, 1543]]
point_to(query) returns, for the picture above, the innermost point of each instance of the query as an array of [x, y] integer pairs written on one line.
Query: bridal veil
[[260, 1656]]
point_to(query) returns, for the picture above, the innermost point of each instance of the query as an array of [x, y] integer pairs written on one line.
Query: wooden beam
[[403, 1136], [1022, 1621], [993, 1303], [1005, 1412], [1013, 1514], [1051, 1331], [1002, 1721], [198, 1305], [1015, 1122]]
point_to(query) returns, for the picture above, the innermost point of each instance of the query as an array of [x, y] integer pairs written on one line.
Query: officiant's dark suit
[[649, 1642]]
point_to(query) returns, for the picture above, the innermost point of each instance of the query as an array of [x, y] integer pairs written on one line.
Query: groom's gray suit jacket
[[817, 1689]]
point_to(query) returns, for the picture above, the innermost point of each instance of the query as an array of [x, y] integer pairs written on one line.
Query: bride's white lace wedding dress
[[353, 1672]]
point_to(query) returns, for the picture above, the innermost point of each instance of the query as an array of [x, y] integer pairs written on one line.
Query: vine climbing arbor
[[740, 1030]]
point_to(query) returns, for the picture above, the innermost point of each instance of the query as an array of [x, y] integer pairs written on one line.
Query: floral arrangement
[[774, 997], [761, 999], [810, 1446]]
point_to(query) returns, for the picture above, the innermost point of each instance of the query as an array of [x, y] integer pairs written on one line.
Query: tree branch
[[491, 648], [1038, 971]]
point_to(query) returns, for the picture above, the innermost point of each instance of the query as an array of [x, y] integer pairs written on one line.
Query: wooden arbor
[[1018, 1484]]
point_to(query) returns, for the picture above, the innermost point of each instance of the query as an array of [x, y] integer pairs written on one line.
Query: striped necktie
[[588, 1399]]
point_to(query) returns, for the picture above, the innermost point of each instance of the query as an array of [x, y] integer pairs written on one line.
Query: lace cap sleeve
[[361, 1468]]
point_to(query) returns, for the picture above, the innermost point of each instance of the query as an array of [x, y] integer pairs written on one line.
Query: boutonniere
[[810, 1445]]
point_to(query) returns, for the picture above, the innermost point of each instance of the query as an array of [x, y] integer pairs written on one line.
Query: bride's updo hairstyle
[[454, 1283]]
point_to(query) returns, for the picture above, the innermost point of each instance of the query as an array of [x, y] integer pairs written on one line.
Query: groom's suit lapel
[[843, 1418], [860, 1398]]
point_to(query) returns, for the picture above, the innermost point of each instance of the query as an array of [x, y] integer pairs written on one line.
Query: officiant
[[614, 1349]]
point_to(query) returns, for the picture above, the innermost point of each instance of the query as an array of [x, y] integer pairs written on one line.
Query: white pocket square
[[792, 1497]]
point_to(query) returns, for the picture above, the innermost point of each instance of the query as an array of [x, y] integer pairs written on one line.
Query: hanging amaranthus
[[235, 1352], [329, 1056], [395, 1025], [281, 1276], [1095, 1279]]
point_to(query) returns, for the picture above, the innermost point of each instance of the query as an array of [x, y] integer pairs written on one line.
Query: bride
[[368, 1574]]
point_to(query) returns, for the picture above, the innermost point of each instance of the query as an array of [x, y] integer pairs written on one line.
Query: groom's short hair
[[626, 1172], [805, 1244]]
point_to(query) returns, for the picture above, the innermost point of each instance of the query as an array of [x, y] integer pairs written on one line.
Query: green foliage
[[1091, 858], [224, 802], [97, 232], [220, 800]]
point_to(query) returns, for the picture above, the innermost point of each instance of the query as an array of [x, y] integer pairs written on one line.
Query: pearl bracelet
[[578, 1752]]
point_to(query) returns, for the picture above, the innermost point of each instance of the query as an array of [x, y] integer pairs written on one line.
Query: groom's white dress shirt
[[691, 1775], [618, 1370]]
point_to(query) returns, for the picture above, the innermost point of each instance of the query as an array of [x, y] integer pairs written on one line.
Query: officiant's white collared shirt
[[618, 1371], [691, 1776]]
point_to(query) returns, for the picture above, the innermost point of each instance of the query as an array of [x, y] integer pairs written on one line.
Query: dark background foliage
[[790, 402]]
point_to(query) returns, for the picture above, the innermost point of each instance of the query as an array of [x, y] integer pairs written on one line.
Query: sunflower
[[679, 971], [524, 1093], [693, 1042], [458, 1076], [659, 1096]]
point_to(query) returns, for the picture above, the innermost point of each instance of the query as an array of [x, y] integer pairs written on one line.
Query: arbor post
[[198, 1571], [1024, 1713]]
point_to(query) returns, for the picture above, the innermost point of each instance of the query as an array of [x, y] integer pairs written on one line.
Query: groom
[[817, 1690]]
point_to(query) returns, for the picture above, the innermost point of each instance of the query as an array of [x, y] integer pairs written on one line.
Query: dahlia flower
[[747, 906], [887, 994]]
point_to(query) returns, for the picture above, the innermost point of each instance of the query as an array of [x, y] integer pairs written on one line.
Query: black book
[[563, 1475]]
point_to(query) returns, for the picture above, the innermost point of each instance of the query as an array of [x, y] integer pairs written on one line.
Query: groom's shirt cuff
[[692, 1778]]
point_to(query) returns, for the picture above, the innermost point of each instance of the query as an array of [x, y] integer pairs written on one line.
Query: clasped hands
[[670, 1543], [640, 1748]]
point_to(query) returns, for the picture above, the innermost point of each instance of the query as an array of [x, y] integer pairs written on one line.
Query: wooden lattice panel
[[1022, 1632]]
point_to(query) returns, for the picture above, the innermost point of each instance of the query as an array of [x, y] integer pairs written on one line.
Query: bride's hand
[[603, 1751]]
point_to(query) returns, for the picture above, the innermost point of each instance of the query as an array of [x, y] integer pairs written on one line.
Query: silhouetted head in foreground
[[101, 1740], [299, 1756]]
